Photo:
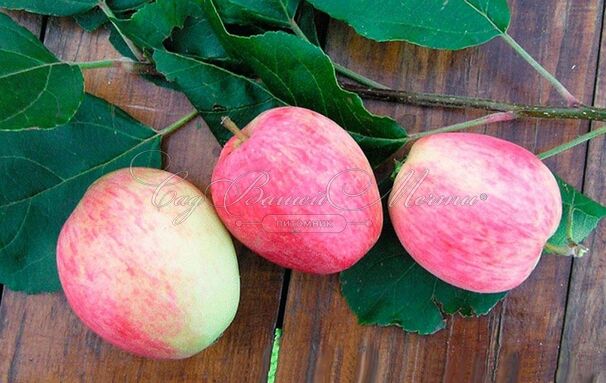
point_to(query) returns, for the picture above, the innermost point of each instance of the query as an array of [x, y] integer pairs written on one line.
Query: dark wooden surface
[[583, 353], [554, 326]]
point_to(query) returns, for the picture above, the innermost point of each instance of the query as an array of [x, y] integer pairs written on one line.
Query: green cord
[[275, 352]]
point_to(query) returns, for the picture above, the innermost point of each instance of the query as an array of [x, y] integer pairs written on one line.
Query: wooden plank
[[28, 20], [519, 340], [583, 352], [533, 315], [42, 340]]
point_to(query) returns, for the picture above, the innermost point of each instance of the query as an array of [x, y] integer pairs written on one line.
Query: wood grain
[[583, 350], [519, 340], [28, 20], [40, 338]]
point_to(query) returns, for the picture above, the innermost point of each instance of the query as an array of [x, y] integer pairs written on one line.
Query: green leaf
[[46, 172], [50, 7], [307, 22], [119, 44], [580, 216], [299, 73], [73, 8], [95, 18], [245, 12], [91, 20], [197, 39], [275, 355], [153, 23], [126, 5], [216, 92], [442, 24], [38, 91], [387, 287]]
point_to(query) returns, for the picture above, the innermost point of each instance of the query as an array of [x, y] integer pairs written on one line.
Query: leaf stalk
[[131, 46], [346, 72], [571, 144], [178, 124], [489, 119], [340, 69], [560, 88], [98, 64]]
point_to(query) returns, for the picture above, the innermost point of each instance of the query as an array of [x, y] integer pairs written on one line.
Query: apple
[[145, 263], [295, 188], [474, 210]]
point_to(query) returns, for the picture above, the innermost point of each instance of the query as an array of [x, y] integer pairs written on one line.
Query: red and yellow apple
[[474, 210], [295, 188], [145, 263]]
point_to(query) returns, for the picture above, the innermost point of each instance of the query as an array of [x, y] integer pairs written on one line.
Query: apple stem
[[232, 127], [397, 167]]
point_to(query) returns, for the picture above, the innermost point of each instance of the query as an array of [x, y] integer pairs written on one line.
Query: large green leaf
[[37, 90], [215, 92], [51, 7], [91, 20], [243, 12], [584, 212], [387, 287], [306, 20], [150, 26], [299, 73], [154, 22], [95, 18], [444, 24], [197, 39], [117, 41], [44, 175], [126, 5]]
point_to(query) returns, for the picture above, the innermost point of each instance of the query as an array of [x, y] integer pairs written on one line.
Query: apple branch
[[580, 112], [381, 93]]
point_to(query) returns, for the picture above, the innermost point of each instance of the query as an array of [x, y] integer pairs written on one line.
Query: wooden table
[[553, 327]]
